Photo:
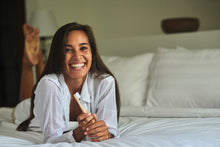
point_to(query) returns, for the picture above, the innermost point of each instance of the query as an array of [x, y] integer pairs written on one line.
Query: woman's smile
[[77, 66]]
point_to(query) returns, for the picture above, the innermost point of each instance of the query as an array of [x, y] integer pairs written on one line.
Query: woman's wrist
[[78, 134], [110, 136]]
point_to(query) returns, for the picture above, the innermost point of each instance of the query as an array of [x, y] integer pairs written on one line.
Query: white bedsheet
[[135, 131], [160, 112]]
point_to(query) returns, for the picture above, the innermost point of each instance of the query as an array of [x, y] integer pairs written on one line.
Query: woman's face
[[78, 56]]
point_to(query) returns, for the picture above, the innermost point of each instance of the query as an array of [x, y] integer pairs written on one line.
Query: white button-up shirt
[[52, 102]]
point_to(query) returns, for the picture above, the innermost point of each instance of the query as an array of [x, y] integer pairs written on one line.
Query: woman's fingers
[[97, 131], [93, 128], [82, 116], [100, 131], [105, 137], [95, 117], [96, 127], [85, 120]]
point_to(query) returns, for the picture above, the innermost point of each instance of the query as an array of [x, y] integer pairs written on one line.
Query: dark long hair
[[56, 58]]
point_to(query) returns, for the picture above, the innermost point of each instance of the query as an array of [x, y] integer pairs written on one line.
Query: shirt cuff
[[114, 132], [66, 137], [70, 137]]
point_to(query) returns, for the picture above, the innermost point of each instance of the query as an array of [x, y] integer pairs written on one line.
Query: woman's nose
[[76, 54]]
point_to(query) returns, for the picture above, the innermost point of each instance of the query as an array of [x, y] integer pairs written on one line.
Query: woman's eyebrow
[[68, 45], [84, 44]]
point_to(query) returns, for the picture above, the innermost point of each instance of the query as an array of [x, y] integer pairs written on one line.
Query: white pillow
[[185, 79], [22, 111], [131, 74]]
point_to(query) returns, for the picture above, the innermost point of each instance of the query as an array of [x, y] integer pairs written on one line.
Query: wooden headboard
[[130, 46]]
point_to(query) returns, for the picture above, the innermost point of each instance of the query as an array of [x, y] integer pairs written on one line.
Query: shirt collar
[[63, 84], [85, 95]]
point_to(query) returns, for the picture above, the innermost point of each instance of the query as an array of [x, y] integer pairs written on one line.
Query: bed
[[169, 88]]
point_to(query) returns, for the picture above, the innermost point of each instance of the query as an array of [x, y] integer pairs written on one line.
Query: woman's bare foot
[[27, 30], [32, 45]]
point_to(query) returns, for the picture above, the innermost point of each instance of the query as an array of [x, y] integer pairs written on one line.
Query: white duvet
[[135, 132]]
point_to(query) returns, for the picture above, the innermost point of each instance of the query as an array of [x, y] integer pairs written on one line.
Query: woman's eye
[[83, 48], [68, 50]]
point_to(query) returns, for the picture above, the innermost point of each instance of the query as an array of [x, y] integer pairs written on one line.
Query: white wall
[[119, 18]]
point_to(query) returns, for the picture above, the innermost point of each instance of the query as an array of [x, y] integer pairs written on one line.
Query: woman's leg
[[27, 81], [32, 57]]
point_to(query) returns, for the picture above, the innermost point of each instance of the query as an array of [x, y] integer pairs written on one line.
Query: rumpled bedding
[[134, 131]]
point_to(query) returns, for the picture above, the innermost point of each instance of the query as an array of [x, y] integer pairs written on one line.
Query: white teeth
[[77, 65]]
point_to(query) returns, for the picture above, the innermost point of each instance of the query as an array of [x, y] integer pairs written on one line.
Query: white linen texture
[[185, 78]]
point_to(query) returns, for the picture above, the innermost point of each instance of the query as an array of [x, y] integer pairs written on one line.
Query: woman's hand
[[97, 131], [85, 119], [93, 128]]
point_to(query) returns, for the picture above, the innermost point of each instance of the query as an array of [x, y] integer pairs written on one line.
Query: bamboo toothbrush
[[77, 96]]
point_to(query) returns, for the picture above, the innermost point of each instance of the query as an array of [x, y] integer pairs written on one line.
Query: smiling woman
[[74, 65]]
